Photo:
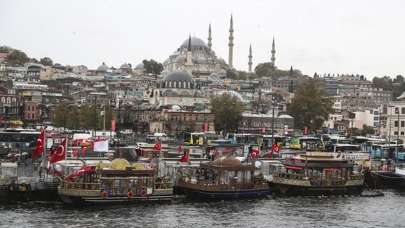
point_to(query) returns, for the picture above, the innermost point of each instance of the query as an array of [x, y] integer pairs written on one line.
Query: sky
[[342, 36]]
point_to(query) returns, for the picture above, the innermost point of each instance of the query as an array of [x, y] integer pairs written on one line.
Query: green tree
[[228, 112], [61, 115], [17, 58], [267, 70], [310, 107], [46, 61], [5, 49], [367, 130], [152, 67]]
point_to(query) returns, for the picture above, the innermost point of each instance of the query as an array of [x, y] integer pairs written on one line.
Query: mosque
[[193, 63]]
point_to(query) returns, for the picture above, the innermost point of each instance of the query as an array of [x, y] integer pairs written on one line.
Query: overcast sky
[[341, 36]]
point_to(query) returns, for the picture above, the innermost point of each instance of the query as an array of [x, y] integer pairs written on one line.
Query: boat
[[21, 182], [387, 176], [118, 183], [317, 174], [226, 178]]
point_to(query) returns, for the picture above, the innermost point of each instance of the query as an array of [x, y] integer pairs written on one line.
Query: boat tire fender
[[142, 192], [104, 194]]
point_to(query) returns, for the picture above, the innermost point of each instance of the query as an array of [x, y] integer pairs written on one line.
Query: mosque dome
[[195, 42], [103, 67], [125, 66], [178, 76], [139, 66]]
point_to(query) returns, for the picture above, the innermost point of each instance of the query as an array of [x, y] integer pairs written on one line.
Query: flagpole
[[66, 145], [44, 151]]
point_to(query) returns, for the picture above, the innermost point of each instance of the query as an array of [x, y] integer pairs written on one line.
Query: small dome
[[125, 66], [230, 161], [103, 67], [139, 66], [178, 76], [195, 42]]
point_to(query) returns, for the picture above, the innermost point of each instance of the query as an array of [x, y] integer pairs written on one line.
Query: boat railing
[[291, 176], [80, 185], [213, 186]]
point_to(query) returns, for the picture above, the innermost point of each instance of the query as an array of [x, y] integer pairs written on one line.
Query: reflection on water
[[387, 211]]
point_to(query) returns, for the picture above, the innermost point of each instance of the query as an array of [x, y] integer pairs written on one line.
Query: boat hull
[[293, 190], [18, 193], [385, 180], [223, 195], [115, 200]]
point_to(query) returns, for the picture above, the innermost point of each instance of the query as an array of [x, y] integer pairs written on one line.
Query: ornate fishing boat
[[124, 184], [223, 179], [317, 173]]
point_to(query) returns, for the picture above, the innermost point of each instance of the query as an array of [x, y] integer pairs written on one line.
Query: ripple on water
[[387, 211]]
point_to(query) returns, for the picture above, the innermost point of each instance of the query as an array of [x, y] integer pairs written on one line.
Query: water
[[387, 211]]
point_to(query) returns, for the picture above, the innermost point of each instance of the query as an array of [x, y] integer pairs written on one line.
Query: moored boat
[[223, 179], [317, 173], [121, 183]]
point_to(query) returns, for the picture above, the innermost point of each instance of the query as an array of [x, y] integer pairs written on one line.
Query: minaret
[[189, 60], [230, 57], [273, 54], [250, 58], [209, 37]]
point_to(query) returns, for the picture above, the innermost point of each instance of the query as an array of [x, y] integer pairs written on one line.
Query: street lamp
[[273, 101], [396, 147], [389, 117]]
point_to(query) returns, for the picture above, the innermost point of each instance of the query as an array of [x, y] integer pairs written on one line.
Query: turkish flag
[[59, 153], [157, 146], [39, 147], [185, 157], [113, 124], [254, 153], [180, 148], [275, 148]]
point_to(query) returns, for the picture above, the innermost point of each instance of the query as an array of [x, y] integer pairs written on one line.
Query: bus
[[278, 139], [247, 139], [305, 143], [17, 140], [200, 138]]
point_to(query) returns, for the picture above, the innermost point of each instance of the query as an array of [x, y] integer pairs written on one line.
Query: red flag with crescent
[[185, 157], [157, 146], [39, 146], [59, 153]]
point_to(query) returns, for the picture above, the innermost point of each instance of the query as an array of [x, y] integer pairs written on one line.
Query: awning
[[293, 167]]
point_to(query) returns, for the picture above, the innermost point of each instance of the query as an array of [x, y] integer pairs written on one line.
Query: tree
[[61, 115], [46, 61], [228, 112], [5, 49], [310, 107], [268, 70], [152, 67], [367, 130], [17, 58]]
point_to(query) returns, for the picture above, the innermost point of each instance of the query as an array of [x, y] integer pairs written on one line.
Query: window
[[403, 110], [396, 110], [402, 133], [402, 123], [396, 123], [395, 132]]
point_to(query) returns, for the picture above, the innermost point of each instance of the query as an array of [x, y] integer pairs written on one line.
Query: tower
[[273, 54], [209, 37], [189, 60], [250, 58], [230, 57]]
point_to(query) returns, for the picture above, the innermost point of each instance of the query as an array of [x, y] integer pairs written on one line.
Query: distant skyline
[[353, 37]]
